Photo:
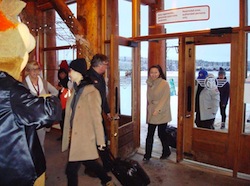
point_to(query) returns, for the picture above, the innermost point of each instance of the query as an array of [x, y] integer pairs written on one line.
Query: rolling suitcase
[[171, 135], [129, 172]]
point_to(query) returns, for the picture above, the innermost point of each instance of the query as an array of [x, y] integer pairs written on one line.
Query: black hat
[[79, 65], [221, 71]]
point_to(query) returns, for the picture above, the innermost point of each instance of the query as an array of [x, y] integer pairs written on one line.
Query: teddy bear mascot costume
[[22, 161]]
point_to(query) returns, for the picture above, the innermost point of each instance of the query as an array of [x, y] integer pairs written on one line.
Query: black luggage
[[171, 135], [129, 172]]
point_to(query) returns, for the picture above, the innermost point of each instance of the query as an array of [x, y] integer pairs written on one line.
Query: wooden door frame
[[196, 140], [124, 139], [234, 137]]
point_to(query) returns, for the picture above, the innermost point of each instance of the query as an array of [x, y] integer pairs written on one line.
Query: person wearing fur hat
[[224, 88], [83, 130], [22, 159], [207, 100]]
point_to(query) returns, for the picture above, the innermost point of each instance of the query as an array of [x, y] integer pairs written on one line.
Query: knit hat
[[64, 65], [79, 65], [221, 71], [202, 74]]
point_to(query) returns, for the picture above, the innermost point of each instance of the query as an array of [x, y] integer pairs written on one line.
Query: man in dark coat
[[99, 64]]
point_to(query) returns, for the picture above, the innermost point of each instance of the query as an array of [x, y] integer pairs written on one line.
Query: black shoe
[[163, 157], [222, 127], [107, 168], [59, 139], [145, 159], [90, 173]]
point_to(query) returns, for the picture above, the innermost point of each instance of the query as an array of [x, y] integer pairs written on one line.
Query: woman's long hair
[[162, 75]]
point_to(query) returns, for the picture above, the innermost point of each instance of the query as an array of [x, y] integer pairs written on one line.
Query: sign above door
[[184, 14]]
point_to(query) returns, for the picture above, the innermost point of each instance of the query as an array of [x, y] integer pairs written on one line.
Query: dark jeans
[[150, 139], [223, 112], [73, 168], [62, 121], [104, 155], [207, 124], [106, 160]]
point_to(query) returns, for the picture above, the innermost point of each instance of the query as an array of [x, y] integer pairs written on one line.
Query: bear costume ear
[[9, 11], [15, 39]]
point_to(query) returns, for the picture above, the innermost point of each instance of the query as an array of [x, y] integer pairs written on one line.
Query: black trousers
[[62, 121], [150, 139], [73, 168], [104, 154], [223, 112], [207, 124]]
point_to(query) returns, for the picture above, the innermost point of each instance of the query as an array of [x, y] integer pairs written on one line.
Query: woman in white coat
[[207, 101]]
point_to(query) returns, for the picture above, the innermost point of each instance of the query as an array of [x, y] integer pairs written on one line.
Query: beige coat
[[87, 129], [158, 99]]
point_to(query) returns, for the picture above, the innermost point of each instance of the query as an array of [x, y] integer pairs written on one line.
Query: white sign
[[192, 13]]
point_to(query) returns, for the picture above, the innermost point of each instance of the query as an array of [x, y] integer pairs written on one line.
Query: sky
[[220, 16]]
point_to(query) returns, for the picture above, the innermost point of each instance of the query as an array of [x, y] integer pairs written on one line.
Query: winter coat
[[83, 129], [224, 90], [209, 100], [21, 157], [100, 84], [158, 99]]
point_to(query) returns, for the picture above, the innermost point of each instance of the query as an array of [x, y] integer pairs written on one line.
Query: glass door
[[209, 126]]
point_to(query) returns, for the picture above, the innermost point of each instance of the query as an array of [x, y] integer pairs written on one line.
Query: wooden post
[[157, 48]]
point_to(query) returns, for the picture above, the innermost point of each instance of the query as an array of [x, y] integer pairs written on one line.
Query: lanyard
[[36, 89]]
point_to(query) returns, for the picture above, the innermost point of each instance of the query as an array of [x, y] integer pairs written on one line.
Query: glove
[[101, 147]]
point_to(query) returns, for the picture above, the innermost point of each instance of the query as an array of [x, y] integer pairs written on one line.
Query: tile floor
[[161, 172]]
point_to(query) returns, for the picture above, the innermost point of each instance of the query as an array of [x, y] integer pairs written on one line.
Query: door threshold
[[211, 168]]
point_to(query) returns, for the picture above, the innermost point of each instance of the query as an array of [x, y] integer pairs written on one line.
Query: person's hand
[[101, 147], [45, 95]]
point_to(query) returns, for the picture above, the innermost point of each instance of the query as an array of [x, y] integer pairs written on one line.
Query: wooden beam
[[69, 18], [44, 5], [145, 2], [148, 2]]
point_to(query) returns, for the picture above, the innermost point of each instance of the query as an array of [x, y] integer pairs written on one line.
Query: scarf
[[35, 90]]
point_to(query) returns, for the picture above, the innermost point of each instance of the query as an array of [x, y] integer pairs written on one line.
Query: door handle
[[189, 99], [116, 100]]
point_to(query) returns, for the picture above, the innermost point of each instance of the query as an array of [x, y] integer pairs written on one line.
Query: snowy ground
[[126, 97]]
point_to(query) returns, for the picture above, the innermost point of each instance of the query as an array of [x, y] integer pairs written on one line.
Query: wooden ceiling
[[46, 5]]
